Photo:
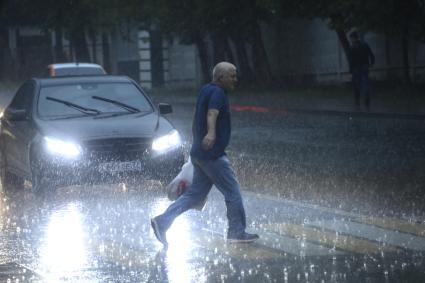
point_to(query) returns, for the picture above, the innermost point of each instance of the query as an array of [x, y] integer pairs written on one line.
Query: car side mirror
[[16, 114], [165, 108]]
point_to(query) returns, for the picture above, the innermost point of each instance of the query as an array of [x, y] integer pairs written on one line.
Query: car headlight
[[62, 148], [164, 143]]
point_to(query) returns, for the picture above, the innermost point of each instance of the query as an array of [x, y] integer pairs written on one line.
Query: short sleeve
[[217, 100]]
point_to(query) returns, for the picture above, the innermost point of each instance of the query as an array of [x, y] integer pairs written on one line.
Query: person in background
[[360, 59], [211, 134]]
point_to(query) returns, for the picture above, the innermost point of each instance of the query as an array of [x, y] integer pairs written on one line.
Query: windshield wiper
[[85, 110], [120, 104]]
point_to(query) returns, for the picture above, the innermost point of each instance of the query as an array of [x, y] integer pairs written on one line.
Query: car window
[[23, 97], [82, 95], [77, 71]]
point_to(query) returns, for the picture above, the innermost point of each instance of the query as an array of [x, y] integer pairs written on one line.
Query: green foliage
[[70, 14], [188, 17], [388, 16]]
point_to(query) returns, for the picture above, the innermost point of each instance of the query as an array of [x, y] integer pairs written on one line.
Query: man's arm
[[193, 124], [210, 137]]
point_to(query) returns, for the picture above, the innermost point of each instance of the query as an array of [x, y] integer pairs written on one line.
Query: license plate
[[120, 166]]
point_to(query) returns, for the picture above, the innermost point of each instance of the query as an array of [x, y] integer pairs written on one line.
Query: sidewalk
[[332, 101], [336, 101]]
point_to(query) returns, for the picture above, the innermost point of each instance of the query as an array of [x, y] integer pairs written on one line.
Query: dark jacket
[[360, 56]]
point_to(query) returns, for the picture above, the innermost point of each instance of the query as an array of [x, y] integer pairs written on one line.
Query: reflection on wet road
[[102, 234], [372, 166], [64, 244]]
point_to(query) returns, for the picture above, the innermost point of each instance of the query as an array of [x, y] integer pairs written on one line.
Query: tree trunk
[[405, 50], [78, 39], [387, 58], [4, 47], [203, 57], [93, 45], [221, 49], [59, 53], [261, 64], [218, 49], [342, 37], [106, 53], [228, 51], [245, 71]]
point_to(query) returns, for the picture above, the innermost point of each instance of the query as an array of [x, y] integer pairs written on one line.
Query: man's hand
[[208, 141], [210, 137]]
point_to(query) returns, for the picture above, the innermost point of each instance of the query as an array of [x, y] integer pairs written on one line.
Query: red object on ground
[[240, 108]]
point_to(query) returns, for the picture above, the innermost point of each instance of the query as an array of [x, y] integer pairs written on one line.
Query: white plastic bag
[[181, 183]]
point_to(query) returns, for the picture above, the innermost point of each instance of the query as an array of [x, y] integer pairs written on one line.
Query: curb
[[349, 113]]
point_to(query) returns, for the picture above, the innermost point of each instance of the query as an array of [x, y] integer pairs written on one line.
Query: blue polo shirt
[[211, 96]]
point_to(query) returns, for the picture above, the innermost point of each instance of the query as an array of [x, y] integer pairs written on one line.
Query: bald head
[[224, 74]]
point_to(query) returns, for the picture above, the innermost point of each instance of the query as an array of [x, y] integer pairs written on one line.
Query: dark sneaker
[[244, 238], [159, 233]]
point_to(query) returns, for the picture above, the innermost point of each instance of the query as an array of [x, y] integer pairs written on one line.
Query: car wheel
[[7, 179]]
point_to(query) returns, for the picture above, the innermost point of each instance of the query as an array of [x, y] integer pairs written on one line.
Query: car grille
[[117, 149]]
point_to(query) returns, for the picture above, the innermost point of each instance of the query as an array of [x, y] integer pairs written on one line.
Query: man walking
[[211, 129], [361, 58]]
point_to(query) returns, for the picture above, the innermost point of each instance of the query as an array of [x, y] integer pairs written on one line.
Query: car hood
[[133, 125]]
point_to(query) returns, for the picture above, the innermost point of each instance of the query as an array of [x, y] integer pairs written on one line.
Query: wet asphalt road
[[102, 234], [335, 197], [365, 162]]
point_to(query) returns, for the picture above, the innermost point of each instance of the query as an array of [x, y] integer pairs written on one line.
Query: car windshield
[[82, 94]]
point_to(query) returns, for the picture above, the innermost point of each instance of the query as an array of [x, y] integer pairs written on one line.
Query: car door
[[17, 132]]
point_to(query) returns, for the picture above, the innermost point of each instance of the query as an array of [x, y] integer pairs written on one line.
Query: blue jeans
[[360, 77], [206, 173]]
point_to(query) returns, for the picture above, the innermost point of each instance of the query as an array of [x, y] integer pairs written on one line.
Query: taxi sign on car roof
[[74, 69]]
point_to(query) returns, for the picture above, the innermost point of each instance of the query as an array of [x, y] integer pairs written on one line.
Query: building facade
[[300, 51]]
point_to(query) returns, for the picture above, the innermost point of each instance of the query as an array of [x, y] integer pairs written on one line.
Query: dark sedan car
[[77, 130]]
